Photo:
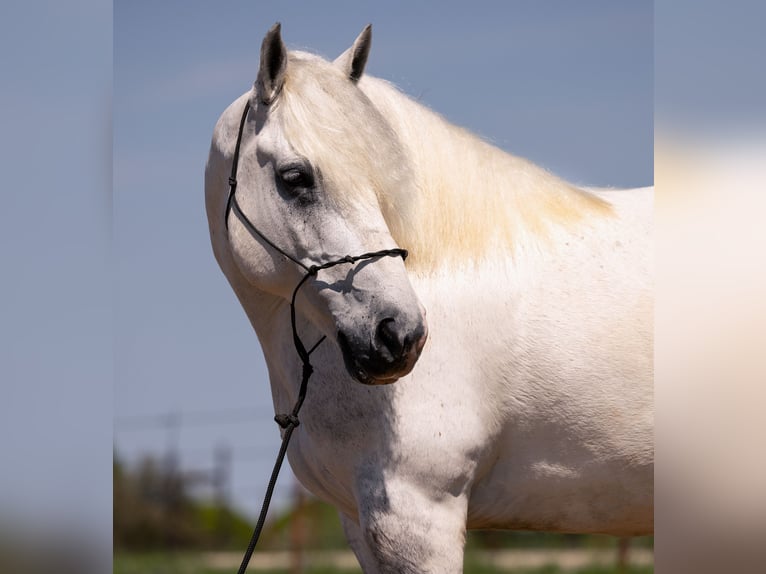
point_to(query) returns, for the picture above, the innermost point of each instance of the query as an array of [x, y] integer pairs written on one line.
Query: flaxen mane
[[447, 196]]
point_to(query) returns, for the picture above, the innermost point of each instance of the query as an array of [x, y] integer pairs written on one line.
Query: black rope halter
[[288, 421]]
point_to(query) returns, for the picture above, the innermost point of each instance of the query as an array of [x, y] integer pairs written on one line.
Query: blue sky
[[568, 85], [56, 362]]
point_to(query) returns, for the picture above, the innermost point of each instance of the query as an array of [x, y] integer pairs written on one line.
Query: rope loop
[[285, 420]]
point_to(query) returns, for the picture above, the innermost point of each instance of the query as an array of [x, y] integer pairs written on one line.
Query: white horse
[[527, 401]]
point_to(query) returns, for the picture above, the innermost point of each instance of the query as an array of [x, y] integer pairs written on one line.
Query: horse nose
[[390, 353], [388, 339], [394, 343]]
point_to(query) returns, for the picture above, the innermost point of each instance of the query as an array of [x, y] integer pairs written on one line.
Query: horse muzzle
[[388, 354]]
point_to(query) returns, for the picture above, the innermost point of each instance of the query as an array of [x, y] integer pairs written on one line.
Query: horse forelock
[[327, 119], [447, 196]]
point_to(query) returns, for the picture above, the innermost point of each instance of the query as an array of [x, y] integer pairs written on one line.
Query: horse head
[[316, 163]]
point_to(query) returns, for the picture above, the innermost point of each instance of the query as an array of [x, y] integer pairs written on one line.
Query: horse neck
[[265, 311], [473, 197]]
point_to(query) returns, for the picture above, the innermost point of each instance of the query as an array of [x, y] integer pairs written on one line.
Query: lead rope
[[288, 421]]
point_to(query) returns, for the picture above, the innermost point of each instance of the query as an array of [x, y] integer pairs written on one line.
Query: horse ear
[[271, 74], [353, 60]]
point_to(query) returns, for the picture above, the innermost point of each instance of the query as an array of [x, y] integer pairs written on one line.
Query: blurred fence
[[175, 499]]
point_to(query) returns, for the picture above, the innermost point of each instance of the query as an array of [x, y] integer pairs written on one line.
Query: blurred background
[[567, 85]]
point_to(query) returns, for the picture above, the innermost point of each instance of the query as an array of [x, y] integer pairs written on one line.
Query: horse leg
[[358, 544], [408, 531]]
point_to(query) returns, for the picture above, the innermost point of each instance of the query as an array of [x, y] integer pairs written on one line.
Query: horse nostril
[[387, 335]]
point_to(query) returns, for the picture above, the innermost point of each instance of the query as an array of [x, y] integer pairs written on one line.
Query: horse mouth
[[364, 367]]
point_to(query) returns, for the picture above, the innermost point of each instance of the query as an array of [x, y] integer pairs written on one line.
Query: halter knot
[[232, 182], [313, 270], [307, 370], [285, 420], [348, 259]]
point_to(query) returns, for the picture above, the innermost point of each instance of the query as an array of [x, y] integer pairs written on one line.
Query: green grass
[[190, 563], [477, 569]]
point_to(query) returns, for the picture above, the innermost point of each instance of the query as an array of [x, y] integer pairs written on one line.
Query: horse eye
[[296, 178]]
